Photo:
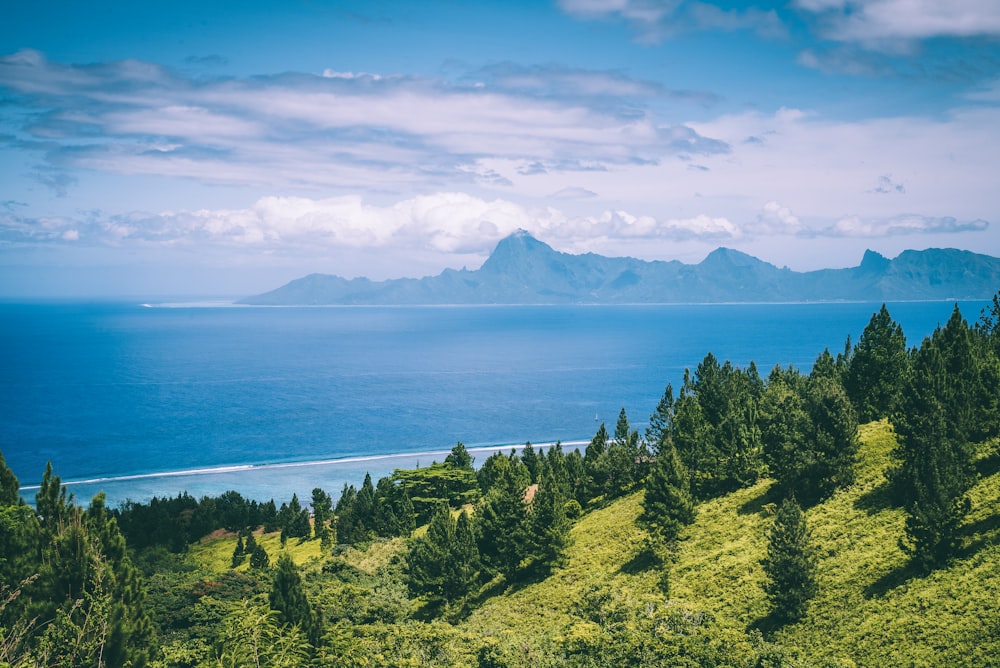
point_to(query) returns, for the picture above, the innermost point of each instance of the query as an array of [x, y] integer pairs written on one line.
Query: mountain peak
[[730, 257], [514, 249], [873, 262]]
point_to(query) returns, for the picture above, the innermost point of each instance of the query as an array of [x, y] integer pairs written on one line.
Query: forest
[[848, 515]]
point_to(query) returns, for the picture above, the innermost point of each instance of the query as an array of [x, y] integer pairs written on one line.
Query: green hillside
[[604, 606]]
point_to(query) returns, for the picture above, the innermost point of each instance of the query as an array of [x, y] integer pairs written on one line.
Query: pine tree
[[667, 505], [429, 558], [250, 545], [532, 461], [288, 598], [464, 556], [661, 421], [9, 485], [500, 524], [833, 438], [547, 528], [790, 565], [322, 506], [936, 470], [809, 431], [297, 520], [239, 552], [595, 463], [876, 369], [459, 457], [364, 511], [130, 628], [259, 561], [692, 437]]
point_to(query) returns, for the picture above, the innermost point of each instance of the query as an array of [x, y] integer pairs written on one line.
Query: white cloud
[[573, 193], [341, 129], [446, 222], [655, 20], [888, 21], [854, 226], [774, 218]]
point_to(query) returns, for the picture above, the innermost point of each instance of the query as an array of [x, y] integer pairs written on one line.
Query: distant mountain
[[523, 270]]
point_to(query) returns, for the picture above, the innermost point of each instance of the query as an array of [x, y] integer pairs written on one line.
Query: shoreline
[[348, 467]]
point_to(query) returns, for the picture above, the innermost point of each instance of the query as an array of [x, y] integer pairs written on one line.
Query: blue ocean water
[[216, 398]]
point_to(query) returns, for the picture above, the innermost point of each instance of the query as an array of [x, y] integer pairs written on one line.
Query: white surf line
[[287, 465]]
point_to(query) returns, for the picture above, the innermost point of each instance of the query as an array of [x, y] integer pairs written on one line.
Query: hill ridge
[[524, 270]]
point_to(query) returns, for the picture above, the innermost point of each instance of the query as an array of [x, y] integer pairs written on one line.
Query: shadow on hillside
[[764, 503], [980, 534], [891, 580], [644, 560], [767, 625], [876, 499], [989, 465]]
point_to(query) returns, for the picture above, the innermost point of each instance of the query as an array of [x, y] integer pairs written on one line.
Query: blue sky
[[190, 148]]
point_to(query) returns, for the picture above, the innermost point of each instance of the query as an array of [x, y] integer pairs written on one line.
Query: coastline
[[265, 481]]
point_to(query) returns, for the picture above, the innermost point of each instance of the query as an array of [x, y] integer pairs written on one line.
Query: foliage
[[715, 427], [288, 599], [790, 565], [809, 431], [252, 636], [459, 457], [667, 504], [934, 424], [877, 366]]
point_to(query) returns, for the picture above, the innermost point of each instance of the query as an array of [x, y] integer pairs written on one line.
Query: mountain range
[[524, 270]]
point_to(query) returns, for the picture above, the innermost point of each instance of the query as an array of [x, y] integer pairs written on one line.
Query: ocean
[[142, 400]]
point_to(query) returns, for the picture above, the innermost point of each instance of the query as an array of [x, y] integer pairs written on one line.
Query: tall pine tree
[[935, 457], [288, 598], [547, 527], [667, 505], [876, 369], [790, 564]]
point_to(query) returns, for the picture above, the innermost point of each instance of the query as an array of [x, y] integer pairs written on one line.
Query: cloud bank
[[448, 223], [335, 129]]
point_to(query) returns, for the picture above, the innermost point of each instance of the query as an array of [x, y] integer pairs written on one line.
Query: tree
[[9, 486], [667, 505], [661, 421], [322, 506], [259, 560], [465, 554], [532, 461], [790, 565], [875, 372], [833, 435], [239, 552], [595, 463], [288, 599], [809, 432], [933, 424], [459, 457], [500, 524], [627, 460], [443, 564], [297, 520], [547, 528]]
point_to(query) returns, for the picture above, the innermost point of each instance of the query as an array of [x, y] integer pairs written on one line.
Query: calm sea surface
[[140, 401]]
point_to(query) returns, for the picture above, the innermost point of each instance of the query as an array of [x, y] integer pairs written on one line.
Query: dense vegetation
[[754, 523]]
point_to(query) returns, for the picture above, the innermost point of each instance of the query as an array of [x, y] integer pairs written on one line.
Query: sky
[[211, 148]]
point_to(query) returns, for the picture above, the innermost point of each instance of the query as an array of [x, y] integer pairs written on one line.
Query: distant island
[[524, 270]]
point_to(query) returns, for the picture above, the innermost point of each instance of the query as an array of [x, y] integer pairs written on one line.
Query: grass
[[215, 555]]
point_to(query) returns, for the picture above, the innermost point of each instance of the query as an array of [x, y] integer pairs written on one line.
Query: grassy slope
[[869, 611]]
